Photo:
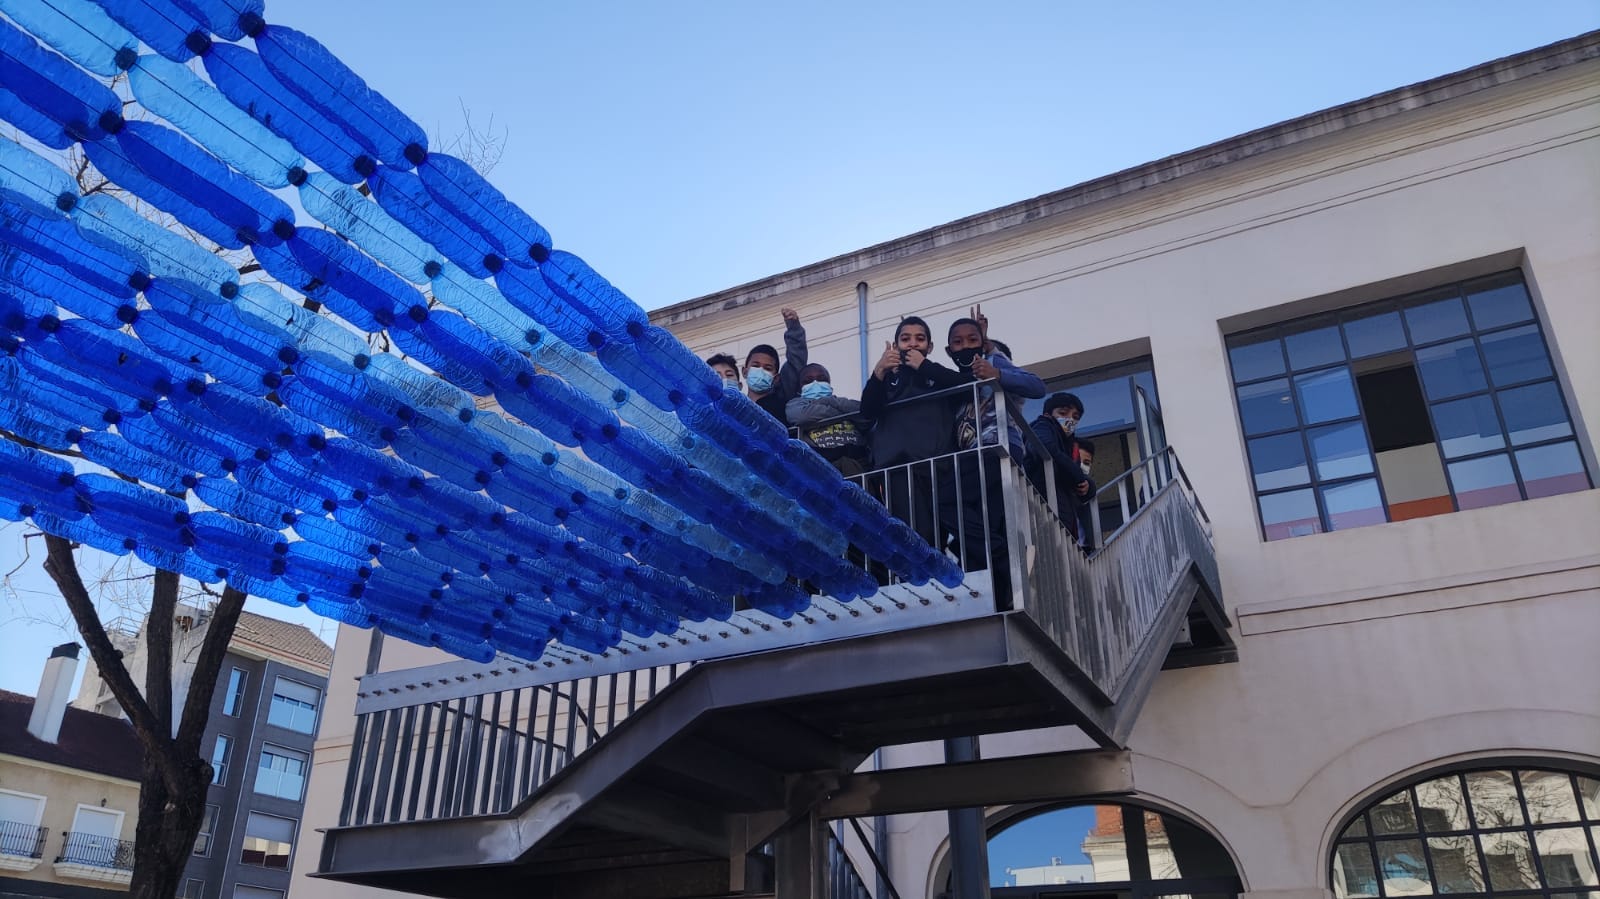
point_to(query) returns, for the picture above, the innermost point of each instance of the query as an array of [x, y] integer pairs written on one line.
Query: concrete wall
[[1365, 655]]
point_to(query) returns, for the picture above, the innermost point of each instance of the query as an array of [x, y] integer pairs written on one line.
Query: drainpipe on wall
[[861, 333]]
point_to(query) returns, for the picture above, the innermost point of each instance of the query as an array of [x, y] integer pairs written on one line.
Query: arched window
[[1523, 831], [1107, 850]]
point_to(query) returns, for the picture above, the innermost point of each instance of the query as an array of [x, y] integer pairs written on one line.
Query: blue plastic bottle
[[320, 79], [244, 78], [78, 28], [163, 24], [173, 92], [365, 223], [168, 255], [402, 195]]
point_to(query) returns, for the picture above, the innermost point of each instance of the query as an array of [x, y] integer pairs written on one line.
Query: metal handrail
[[96, 851], [25, 840]]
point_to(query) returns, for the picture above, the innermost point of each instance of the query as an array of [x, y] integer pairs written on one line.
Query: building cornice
[[1161, 172]]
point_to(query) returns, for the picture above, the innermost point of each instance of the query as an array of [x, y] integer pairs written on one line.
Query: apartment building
[[259, 736], [1369, 335], [69, 792]]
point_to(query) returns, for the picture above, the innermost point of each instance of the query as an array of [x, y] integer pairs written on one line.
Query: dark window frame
[[219, 769], [277, 698], [288, 857], [233, 699], [1461, 291], [209, 815], [1367, 836], [283, 752]]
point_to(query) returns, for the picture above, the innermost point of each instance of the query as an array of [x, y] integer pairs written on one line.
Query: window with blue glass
[[1419, 405]]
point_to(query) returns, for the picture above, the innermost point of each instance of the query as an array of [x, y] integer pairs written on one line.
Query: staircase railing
[[1101, 608]]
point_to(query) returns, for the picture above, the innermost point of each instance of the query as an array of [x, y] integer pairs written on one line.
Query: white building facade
[[1372, 335]]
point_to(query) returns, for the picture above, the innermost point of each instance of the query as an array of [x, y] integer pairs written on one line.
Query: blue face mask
[[816, 390], [760, 379]]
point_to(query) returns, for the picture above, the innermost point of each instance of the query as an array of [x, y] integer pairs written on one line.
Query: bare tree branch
[[197, 706], [63, 569], [158, 643]]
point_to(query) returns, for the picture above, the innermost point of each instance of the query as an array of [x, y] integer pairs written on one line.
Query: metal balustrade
[[22, 840], [481, 754], [95, 851]]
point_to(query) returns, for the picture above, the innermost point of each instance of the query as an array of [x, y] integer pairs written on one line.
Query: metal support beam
[[969, 849], [1025, 778], [800, 850]]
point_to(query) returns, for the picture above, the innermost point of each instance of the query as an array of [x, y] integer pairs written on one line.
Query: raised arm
[[794, 353]]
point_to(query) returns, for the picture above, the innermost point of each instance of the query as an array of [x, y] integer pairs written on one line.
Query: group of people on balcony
[[934, 450]]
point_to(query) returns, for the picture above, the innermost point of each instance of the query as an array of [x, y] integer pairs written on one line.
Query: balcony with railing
[[90, 856], [21, 845], [662, 767]]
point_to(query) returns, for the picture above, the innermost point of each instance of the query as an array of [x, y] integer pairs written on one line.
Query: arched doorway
[[1107, 851], [1528, 831]]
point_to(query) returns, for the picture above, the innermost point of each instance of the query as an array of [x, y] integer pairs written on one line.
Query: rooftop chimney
[[55, 687]]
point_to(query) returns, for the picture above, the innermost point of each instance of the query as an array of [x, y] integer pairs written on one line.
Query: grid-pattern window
[[208, 826], [219, 759], [294, 705], [233, 700], [267, 841], [282, 773], [193, 888], [1415, 406], [1528, 832]]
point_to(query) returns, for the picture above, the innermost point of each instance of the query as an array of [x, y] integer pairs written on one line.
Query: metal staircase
[[611, 776]]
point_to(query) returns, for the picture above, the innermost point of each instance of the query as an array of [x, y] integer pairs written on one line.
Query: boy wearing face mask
[[963, 511], [1074, 490], [727, 368], [827, 422], [770, 388]]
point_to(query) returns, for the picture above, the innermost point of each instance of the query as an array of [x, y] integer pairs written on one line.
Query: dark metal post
[[969, 849], [799, 854]]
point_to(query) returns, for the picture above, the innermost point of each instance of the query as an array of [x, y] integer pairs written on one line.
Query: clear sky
[[686, 148]]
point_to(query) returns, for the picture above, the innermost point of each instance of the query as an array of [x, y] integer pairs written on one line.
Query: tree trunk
[[174, 778], [165, 834]]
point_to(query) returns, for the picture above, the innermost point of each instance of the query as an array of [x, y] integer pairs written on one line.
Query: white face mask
[[1085, 466]]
